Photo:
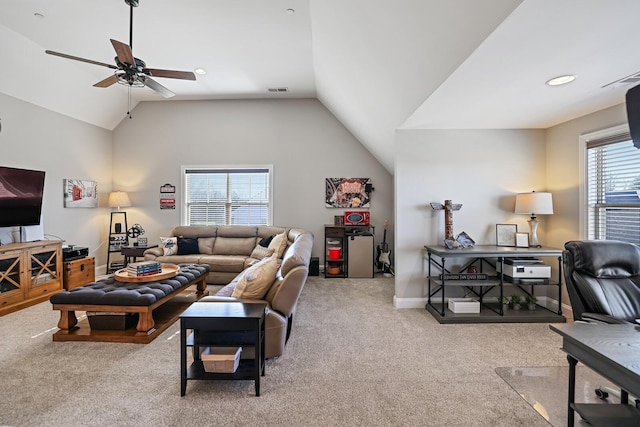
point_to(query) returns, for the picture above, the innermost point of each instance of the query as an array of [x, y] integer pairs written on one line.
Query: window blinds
[[227, 196], [613, 183]]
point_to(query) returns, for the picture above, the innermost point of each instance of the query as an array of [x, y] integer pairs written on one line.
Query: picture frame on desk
[[142, 241], [506, 234], [522, 240]]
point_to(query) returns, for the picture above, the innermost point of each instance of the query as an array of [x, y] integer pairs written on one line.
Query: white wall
[[300, 138], [35, 138], [482, 169], [563, 169], [564, 175]]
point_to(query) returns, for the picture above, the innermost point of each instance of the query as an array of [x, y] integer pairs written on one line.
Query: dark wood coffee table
[[134, 252]]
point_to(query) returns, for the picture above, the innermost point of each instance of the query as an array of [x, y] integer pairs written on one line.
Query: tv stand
[[29, 273]]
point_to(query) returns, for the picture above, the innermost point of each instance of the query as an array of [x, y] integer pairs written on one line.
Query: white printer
[[525, 270]]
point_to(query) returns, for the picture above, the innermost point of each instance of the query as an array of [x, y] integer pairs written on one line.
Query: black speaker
[[118, 227], [314, 266]]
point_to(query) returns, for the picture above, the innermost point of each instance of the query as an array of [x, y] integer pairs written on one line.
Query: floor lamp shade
[[534, 203], [119, 199]]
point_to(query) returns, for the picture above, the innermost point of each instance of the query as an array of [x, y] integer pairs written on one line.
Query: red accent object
[[356, 218], [77, 193], [334, 253]]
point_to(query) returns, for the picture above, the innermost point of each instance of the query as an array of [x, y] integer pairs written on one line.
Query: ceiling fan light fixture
[[130, 80], [560, 80]]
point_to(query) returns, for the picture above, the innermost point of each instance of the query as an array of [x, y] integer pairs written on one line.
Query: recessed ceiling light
[[200, 71], [290, 11], [561, 80]]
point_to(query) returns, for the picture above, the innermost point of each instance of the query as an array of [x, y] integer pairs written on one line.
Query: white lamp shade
[[534, 203], [119, 199]]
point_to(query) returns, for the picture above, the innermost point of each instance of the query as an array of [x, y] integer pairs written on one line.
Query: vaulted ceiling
[[377, 65]]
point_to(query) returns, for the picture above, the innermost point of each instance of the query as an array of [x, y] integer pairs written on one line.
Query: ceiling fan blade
[[76, 58], [170, 74], [124, 52], [157, 87], [107, 82]]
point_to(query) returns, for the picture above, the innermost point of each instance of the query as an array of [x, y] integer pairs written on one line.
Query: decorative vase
[[532, 306], [516, 306]]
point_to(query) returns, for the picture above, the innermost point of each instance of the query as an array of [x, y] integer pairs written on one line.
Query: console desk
[[611, 351], [488, 259]]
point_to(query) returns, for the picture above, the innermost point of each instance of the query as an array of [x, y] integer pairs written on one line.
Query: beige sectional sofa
[[231, 250]]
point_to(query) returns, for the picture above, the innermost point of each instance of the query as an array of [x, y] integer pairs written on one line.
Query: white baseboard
[[409, 302]]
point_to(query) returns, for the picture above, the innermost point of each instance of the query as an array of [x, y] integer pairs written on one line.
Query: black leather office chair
[[603, 280]]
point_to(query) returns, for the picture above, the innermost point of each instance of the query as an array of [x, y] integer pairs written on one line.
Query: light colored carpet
[[352, 360], [534, 384]]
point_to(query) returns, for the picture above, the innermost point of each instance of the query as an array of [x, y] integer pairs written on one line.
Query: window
[[613, 187], [227, 196]]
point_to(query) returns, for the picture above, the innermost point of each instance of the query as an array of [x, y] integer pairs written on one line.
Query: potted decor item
[[531, 302], [516, 300], [505, 303]]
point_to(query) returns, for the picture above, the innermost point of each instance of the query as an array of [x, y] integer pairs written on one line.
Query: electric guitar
[[384, 253]]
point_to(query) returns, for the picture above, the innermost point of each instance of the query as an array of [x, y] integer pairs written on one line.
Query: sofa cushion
[[205, 244], [188, 246], [224, 263], [234, 245], [169, 245], [279, 244], [257, 279], [195, 231]]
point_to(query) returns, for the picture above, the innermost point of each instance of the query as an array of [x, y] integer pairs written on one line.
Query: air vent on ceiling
[[278, 89], [630, 79]]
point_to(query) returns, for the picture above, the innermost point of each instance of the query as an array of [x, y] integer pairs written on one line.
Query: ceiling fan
[[132, 71]]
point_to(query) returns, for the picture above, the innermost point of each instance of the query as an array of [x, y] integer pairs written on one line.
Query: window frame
[[606, 136], [183, 176]]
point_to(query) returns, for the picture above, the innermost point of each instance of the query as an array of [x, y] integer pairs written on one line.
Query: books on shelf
[[144, 268]]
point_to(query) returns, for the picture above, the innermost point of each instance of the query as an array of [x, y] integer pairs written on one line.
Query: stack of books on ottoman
[[144, 268]]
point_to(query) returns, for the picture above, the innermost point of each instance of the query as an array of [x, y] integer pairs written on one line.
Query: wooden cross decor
[[448, 208]]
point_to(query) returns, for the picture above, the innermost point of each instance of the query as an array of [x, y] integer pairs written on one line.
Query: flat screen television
[[20, 196]]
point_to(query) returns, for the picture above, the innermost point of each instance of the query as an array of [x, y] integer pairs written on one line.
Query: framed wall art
[[506, 234], [80, 193], [347, 192]]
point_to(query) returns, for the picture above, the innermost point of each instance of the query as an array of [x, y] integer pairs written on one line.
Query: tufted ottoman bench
[[148, 300]]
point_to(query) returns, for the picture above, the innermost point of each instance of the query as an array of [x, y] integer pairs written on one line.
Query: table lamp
[[534, 204], [118, 199]]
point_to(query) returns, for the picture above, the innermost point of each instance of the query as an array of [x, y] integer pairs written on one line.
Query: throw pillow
[[169, 245], [257, 279], [260, 252], [279, 244], [265, 242], [188, 246]]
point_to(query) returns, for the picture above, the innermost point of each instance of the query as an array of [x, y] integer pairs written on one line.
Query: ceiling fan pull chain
[[129, 104]]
